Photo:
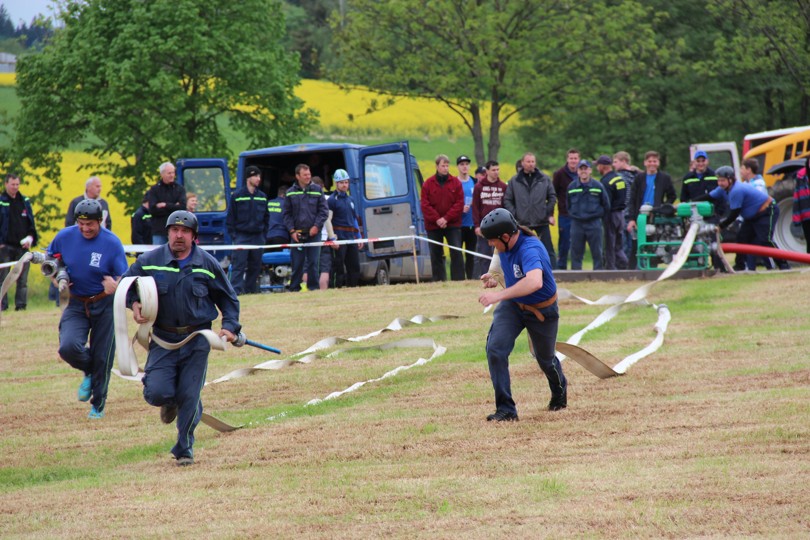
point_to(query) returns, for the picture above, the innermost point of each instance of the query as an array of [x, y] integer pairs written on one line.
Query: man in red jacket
[[442, 206]]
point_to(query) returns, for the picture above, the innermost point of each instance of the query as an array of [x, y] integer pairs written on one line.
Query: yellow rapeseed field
[[350, 113]]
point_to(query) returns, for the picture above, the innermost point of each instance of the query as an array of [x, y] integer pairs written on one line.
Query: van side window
[[207, 184], [385, 176]]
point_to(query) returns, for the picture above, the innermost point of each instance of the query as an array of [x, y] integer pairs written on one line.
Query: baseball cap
[[701, 154], [252, 171], [584, 163], [604, 159], [481, 170], [461, 158]]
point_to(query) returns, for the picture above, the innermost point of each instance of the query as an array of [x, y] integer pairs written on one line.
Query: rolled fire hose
[[125, 347]]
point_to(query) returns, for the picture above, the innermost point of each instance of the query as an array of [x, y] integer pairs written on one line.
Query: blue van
[[385, 185]]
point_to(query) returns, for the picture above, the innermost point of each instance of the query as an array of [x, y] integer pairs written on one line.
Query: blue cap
[[701, 154], [584, 163]]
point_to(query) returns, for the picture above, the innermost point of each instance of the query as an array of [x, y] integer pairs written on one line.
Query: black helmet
[[498, 222], [89, 209], [726, 172], [184, 218]]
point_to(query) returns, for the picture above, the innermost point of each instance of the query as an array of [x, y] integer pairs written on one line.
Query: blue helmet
[[340, 175]]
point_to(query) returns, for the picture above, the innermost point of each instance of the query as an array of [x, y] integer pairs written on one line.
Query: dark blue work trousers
[[586, 231], [246, 264], [453, 236], [177, 378], [75, 328], [564, 244], [508, 322], [758, 231], [312, 256]]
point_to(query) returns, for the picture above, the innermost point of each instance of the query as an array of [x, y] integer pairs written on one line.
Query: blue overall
[[89, 314], [509, 320], [189, 293], [247, 224]]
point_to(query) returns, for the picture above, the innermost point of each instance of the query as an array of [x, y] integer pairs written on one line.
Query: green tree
[[487, 61], [137, 83]]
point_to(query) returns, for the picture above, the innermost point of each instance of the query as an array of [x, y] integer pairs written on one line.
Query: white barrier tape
[[309, 354], [475, 253], [14, 274], [125, 347]]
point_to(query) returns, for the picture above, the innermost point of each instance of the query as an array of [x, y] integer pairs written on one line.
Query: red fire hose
[[762, 251]]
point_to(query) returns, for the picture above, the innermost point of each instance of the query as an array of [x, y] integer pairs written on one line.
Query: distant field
[[429, 127]]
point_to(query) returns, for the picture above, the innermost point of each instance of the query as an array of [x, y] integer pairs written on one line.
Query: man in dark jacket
[[530, 197], [18, 234], [141, 223], [164, 198], [92, 190], [442, 205], [561, 179], [588, 204], [651, 187], [304, 213], [247, 224]]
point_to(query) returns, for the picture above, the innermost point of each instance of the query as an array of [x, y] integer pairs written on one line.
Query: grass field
[[708, 437]]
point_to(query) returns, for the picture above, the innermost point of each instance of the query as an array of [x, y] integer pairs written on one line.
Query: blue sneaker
[[85, 388], [95, 414]]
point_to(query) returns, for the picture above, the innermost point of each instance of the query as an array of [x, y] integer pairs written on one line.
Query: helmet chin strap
[[505, 244]]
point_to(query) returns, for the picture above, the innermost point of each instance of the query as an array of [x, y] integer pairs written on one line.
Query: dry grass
[[707, 437]]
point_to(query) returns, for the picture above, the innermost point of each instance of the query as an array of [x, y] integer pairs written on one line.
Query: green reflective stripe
[[250, 198], [692, 180], [274, 209], [294, 193], [710, 178], [577, 190], [3, 203], [618, 182], [315, 194], [203, 271], [147, 216], [261, 198], [164, 268]]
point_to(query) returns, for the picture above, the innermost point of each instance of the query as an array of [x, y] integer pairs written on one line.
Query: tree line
[[137, 83], [16, 39]]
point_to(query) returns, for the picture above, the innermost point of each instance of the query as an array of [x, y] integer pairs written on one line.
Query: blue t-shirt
[[649, 191], [466, 217], [88, 261], [744, 197], [528, 254]]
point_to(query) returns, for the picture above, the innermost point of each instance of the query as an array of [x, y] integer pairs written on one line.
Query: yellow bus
[[772, 147]]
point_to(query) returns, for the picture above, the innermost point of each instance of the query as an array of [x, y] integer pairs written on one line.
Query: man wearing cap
[[488, 196], [247, 224], [94, 260], [480, 174], [616, 188], [530, 197], [700, 180], [442, 204], [588, 204], [468, 238], [18, 234], [164, 198], [191, 287]]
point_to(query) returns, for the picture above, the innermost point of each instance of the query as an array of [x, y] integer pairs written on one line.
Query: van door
[[209, 180], [390, 200]]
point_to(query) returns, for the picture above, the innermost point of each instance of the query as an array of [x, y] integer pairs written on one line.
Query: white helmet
[[340, 175]]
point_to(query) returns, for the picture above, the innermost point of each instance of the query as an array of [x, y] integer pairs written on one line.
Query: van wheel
[[786, 234], [381, 277]]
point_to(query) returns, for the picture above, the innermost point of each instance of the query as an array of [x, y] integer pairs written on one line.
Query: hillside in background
[[356, 116]]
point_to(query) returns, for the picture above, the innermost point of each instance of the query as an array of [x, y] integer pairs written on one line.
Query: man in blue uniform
[[191, 286], [304, 214], [94, 259], [344, 223], [529, 300], [588, 204], [18, 234], [247, 223], [758, 210]]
